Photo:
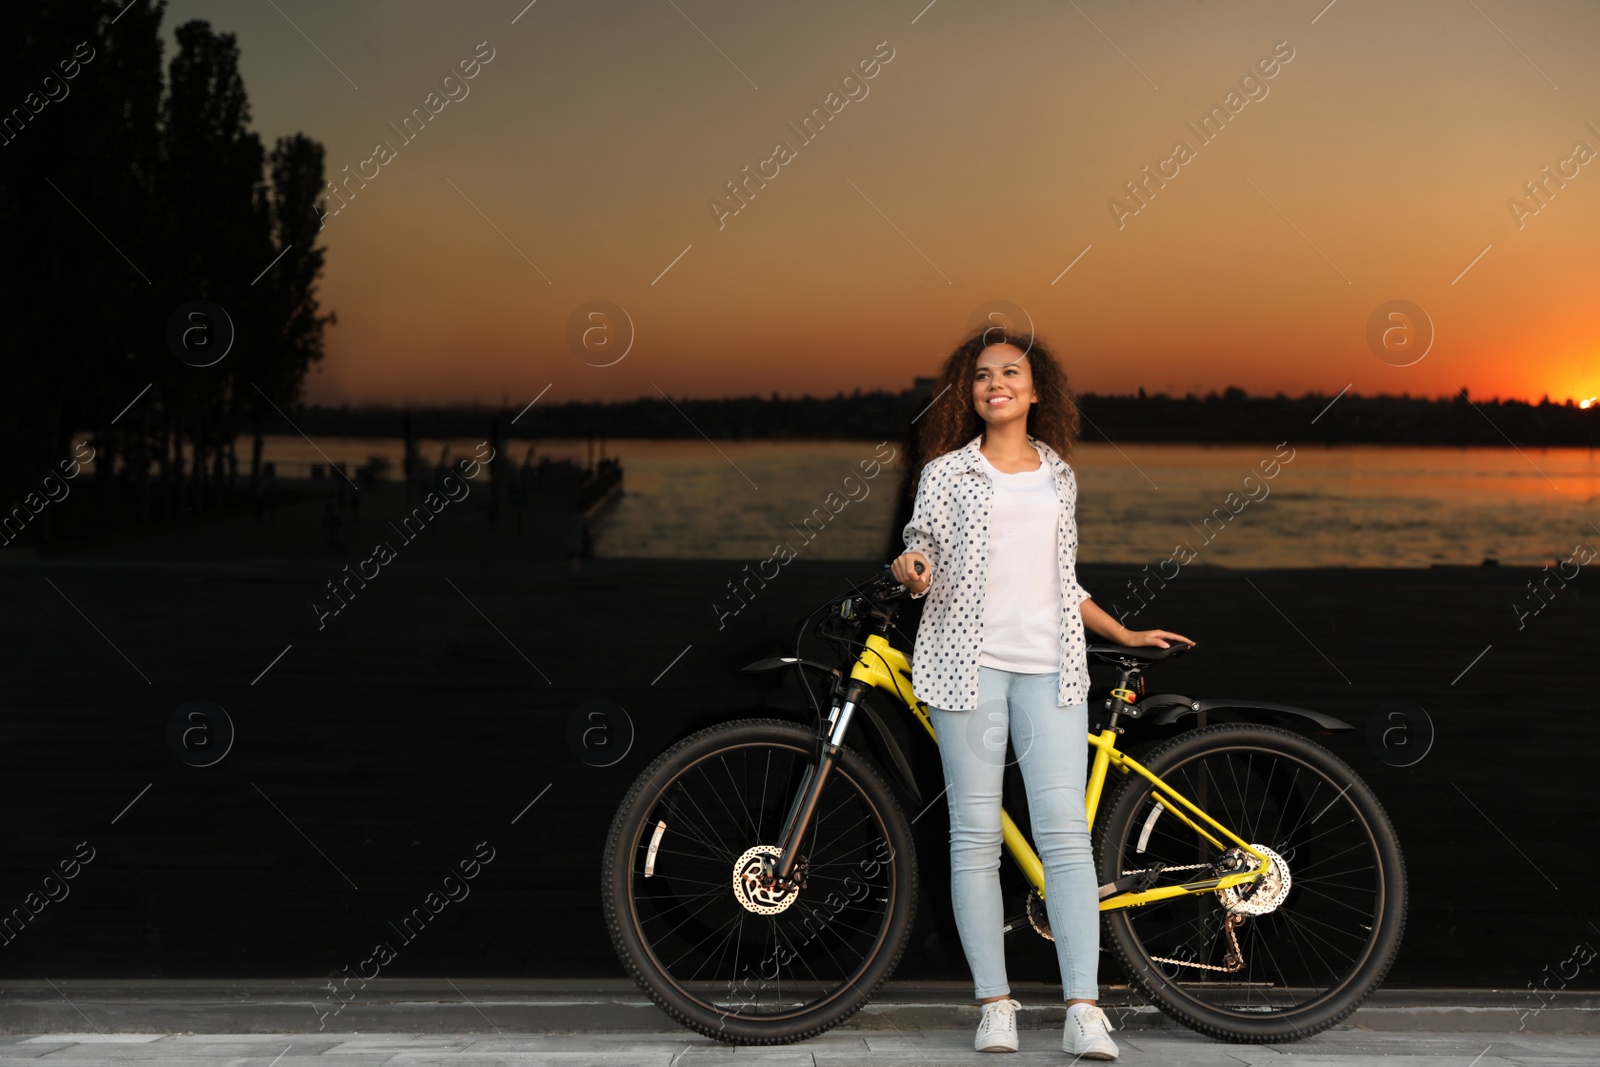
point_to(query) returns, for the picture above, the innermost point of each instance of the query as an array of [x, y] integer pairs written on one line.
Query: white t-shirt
[[1022, 581]]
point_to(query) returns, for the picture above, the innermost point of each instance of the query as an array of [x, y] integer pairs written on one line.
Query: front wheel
[[1291, 954], [711, 947]]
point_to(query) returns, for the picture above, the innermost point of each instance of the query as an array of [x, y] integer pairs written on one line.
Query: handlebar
[[886, 576], [873, 594]]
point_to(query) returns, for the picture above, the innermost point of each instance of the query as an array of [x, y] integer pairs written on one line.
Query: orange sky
[[1374, 165]]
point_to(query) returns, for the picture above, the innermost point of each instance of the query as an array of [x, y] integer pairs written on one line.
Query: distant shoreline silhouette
[[1229, 417]]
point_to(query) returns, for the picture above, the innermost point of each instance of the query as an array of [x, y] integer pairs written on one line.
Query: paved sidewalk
[[451, 1006], [915, 1048], [280, 1023]]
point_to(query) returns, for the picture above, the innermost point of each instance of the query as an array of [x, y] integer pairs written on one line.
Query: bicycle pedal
[[1137, 882], [1151, 875]]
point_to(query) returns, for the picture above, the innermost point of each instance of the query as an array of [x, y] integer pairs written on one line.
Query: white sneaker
[[997, 1030], [1086, 1035]]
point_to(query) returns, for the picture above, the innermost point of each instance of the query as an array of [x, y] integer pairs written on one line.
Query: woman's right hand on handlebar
[[907, 572]]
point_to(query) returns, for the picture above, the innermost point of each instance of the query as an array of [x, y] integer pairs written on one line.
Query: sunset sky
[[1375, 164]]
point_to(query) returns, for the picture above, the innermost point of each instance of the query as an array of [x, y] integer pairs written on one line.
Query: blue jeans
[[1051, 746]]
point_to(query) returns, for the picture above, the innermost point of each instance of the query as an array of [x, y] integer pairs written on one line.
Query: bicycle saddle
[[1149, 654]]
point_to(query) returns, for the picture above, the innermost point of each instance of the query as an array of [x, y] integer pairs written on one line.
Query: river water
[[1352, 505]]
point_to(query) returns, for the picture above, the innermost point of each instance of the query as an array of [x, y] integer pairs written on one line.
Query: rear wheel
[[703, 939], [1290, 955]]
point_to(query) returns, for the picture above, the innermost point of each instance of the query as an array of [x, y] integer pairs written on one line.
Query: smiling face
[[1002, 384]]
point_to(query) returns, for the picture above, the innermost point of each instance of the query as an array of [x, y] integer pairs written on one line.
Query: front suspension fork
[[811, 785]]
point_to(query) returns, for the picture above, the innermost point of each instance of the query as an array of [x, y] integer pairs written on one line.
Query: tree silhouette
[[210, 178], [121, 199], [292, 334], [69, 175]]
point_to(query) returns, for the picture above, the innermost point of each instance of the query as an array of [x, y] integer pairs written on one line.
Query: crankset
[[1035, 915]]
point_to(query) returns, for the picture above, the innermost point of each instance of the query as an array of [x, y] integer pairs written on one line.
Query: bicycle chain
[[1163, 870]]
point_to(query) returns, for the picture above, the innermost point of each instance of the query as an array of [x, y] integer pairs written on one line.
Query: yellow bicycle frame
[[885, 667]]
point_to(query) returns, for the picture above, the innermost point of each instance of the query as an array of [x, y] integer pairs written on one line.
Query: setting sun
[[1586, 404]]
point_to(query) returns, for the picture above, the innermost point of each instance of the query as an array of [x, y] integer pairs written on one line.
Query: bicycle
[[760, 877]]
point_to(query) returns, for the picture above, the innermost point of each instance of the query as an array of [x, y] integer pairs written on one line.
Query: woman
[[1000, 649]]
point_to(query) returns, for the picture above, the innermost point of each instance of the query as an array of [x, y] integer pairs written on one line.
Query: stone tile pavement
[[840, 1048]]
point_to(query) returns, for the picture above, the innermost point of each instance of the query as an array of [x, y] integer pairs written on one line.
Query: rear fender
[[1166, 708]]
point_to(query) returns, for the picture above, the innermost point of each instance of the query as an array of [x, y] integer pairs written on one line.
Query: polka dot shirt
[[950, 525]]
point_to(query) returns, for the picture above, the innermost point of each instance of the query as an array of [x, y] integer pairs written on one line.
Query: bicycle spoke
[[731, 926], [1339, 900], [1290, 790], [1328, 858], [1227, 817], [738, 794], [1312, 938], [727, 853], [692, 947], [1309, 921], [1290, 843], [766, 778], [684, 826], [1265, 947]]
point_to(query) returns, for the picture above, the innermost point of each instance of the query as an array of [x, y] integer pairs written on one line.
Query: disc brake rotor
[[750, 883], [1261, 897]]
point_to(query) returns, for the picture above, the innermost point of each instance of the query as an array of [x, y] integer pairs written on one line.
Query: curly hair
[[952, 421]]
